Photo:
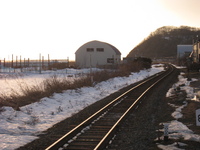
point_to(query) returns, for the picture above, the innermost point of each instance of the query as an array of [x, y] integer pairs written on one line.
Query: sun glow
[[59, 28]]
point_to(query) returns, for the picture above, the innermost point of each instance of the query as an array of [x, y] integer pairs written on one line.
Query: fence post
[[0, 66], [40, 64]]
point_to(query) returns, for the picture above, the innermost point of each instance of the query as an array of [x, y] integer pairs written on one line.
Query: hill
[[163, 42]]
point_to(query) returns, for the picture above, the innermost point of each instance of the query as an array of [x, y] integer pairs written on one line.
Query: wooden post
[[67, 62], [16, 62], [24, 62], [4, 63], [28, 62], [12, 62], [0, 66], [42, 62], [25, 65], [48, 62], [20, 63], [40, 67]]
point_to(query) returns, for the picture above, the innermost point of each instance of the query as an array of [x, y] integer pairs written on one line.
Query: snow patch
[[18, 128]]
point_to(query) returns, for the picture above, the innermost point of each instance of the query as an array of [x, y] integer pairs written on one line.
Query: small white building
[[184, 50], [96, 53], [196, 52]]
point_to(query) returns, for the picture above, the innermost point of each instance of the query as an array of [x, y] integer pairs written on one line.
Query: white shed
[[96, 53], [184, 50]]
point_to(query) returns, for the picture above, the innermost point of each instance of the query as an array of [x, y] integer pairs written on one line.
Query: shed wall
[[86, 59]]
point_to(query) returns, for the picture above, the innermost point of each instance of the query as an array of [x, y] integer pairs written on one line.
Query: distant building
[[184, 50], [96, 54], [195, 55]]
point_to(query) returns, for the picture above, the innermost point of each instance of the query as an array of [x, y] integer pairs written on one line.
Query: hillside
[[163, 42]]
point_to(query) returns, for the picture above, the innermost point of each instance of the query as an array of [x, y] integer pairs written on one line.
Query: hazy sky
[[60, 27]]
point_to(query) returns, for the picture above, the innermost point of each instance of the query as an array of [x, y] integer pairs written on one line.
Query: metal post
[[166, 125]]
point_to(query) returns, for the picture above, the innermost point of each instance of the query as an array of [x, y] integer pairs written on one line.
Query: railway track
[[97, 130]]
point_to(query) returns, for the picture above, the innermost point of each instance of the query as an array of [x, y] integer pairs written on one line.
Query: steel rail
[[60, 142], [105, 139]]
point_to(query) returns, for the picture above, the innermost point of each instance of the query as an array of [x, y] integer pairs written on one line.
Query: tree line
[[163, 42]]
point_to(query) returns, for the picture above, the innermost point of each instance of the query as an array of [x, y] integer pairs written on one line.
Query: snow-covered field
[[20, 127], [13, 82], [176, 128]]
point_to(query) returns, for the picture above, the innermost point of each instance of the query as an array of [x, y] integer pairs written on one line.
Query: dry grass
[[56, 84]]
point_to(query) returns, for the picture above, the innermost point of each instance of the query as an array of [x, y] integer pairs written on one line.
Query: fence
[[28, 65]]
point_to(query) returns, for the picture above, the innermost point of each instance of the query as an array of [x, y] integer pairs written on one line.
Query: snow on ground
[[20, 127], [13, 82], [177, 129]]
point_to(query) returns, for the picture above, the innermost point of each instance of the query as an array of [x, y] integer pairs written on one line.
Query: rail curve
[[98, 129]]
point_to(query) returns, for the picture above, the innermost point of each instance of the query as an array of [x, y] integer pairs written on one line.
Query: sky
[[29, 28]]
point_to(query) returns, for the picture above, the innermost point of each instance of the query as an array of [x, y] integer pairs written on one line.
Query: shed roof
[[113, 47]]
